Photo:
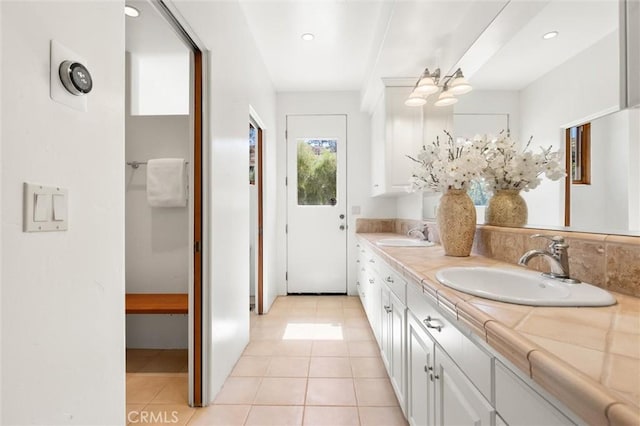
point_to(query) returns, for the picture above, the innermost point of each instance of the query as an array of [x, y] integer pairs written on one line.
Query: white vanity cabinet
[[393, 329], [438, 392], [368, 284], [458, 401], [442, 373], [420, 361], [518, 404], [396, 131]]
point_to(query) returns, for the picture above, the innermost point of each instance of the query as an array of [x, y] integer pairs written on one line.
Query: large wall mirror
[[551, 87]]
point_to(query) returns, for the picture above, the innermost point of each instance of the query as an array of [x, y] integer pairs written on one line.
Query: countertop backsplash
[[608, 261]]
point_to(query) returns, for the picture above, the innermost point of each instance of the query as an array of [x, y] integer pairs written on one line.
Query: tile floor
[[312, 360]]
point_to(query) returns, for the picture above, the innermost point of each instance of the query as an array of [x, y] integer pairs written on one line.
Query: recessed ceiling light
[[131, 11], [307, 36], [550, 35]]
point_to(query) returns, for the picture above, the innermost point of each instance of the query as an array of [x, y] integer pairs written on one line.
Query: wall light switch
[[45, 208], [42, 208], [59, 207]]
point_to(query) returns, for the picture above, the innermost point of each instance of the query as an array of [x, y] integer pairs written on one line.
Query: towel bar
[[136, 164]]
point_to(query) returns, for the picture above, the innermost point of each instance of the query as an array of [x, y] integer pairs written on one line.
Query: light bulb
[[415, 100], [460, 86], [131, 11], [426, 86], [446, 98]]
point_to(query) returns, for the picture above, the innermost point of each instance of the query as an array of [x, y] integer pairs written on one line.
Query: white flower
[[510, 168], [453, 164]]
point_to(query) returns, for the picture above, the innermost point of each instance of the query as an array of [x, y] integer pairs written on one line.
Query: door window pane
[[317, 167]]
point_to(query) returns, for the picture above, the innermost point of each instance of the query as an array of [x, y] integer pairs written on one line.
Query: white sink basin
[[522, 287], [404, 242]]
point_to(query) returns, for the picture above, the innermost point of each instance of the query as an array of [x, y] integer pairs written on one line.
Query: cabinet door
[[385, 327], [420, 351], [397, 342], [374, 307], [403, 137], [458, 402], [518, 404], [378, 171]]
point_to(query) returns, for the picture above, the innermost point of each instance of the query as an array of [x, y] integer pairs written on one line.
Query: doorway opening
[[163, 207], [256, 188], [578, 162], [316, 204]]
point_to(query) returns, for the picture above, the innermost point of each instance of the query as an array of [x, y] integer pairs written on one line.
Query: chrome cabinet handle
[[389, 279], [428, 321], [388, 309], [372, 261]]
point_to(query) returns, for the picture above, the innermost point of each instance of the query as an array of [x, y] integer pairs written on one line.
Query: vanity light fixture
[[446, 97], [131, 11], [307, 36], [431, 82], [550, 35]]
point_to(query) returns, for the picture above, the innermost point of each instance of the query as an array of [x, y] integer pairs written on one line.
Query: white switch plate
[[58, 93], [31, 190]]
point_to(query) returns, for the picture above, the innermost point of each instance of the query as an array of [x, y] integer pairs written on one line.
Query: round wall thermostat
[[75, 78]]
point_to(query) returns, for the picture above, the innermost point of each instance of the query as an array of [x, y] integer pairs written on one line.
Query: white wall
[[489, 102], [157, 239], [1, 203], [634, 172], [358, 167], [63, 292], [561, 98], [238, 81], [160, 83], [606, 199]]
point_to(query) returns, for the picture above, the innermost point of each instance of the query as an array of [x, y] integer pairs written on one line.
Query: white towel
[[167, 182]]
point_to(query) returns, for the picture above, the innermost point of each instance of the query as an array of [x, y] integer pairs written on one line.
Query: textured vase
[[456, 220], [506, 208]]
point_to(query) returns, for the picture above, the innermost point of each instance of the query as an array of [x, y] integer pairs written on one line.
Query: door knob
[[341, 216]]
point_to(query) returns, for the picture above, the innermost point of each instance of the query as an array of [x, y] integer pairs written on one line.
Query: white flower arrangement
[[449, 165], [511, 168]]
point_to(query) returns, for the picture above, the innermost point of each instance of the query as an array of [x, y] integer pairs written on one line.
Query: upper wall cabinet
[[396, 131], [159, 84]]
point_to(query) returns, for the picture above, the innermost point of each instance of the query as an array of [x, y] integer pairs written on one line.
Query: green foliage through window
[[317, 166]]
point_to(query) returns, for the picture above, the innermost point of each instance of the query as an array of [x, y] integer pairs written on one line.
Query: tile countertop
[[588, 358]]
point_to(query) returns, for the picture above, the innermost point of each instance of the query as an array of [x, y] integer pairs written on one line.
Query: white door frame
[[346, 186]]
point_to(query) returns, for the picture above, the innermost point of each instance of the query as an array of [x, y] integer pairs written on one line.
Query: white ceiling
[[513, 54], [359, 42], [149, 33]]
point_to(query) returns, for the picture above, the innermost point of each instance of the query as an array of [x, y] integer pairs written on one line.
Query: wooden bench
[[154, 303]]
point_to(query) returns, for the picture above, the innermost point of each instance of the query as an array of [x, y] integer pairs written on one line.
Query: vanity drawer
[[394, 281], [518, 404], [472, 360]]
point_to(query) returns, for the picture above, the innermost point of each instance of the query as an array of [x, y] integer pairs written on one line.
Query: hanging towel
[[167, 182]]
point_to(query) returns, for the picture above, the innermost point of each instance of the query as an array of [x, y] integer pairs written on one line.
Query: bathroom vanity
[[454, 358]]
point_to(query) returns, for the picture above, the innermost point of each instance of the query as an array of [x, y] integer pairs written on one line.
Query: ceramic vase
[[506, 208], [456, 218]]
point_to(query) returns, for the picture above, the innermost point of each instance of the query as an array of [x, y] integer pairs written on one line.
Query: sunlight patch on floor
[[308, 331]]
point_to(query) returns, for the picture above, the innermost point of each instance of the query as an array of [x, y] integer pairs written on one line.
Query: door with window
[[316, 204]]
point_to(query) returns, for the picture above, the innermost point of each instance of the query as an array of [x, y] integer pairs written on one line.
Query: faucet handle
[[554, 239], [556, 242]]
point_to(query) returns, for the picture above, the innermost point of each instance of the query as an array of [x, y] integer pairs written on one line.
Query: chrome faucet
[[556, 256], [421, 232]]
